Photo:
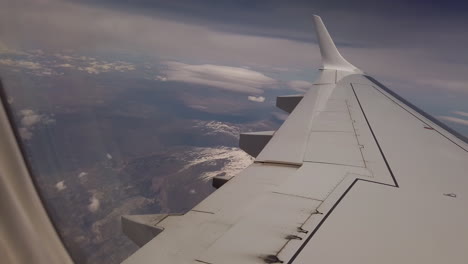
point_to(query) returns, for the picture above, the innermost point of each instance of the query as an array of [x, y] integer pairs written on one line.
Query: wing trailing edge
[[331, 57]]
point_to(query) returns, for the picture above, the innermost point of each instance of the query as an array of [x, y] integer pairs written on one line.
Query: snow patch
[[217, 128], [235, 160], [93, 204], [60, 186]]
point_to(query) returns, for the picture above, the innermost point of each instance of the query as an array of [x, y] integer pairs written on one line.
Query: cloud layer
[[60, 25], [460, 113], [223, 77]]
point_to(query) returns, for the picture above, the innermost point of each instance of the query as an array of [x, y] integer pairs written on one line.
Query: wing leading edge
[[355, 174]]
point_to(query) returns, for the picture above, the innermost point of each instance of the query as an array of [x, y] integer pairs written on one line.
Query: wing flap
[[264, 230]]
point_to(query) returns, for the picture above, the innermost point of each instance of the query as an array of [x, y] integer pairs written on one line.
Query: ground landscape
[[122, 142]]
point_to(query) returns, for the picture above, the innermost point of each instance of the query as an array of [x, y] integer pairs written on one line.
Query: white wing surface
[[355, 175]]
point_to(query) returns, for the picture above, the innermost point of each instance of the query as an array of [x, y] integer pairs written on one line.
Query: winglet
[[331, 57]]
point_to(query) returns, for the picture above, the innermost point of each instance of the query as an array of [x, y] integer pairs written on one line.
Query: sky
[[416, 48], [100, 84]]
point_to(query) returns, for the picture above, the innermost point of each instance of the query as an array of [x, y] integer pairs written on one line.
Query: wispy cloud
[[61, 25], [160, 78], [223, 77], [444, 84], [198, 107], [280, 115], [461, 113], [300, 86], [258, 99], [456, 120]]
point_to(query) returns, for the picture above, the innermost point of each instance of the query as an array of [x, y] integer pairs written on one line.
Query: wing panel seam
[[395, 185], [375, 138]]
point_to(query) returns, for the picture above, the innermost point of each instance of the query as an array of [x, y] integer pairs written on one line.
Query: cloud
[[21, 63], [259, 99], [445, 84], [461, 113], [96, 67], [223, 77], [281, 116], [160, 78], [65, 65], [81, 63], [94, 204], [35, 67], [60, 186], [25, 133], [82, 177], [60, 25], [456, 120], [300, 86], [198, 107], [255, 40], [29, 120], [64, 57]]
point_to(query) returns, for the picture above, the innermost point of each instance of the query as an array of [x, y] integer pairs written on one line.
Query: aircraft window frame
[[30, 231]]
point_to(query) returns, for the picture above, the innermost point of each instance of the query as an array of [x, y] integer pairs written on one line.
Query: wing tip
[[331, 57]]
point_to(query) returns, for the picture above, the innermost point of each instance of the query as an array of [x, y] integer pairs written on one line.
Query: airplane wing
[[356, 174]]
